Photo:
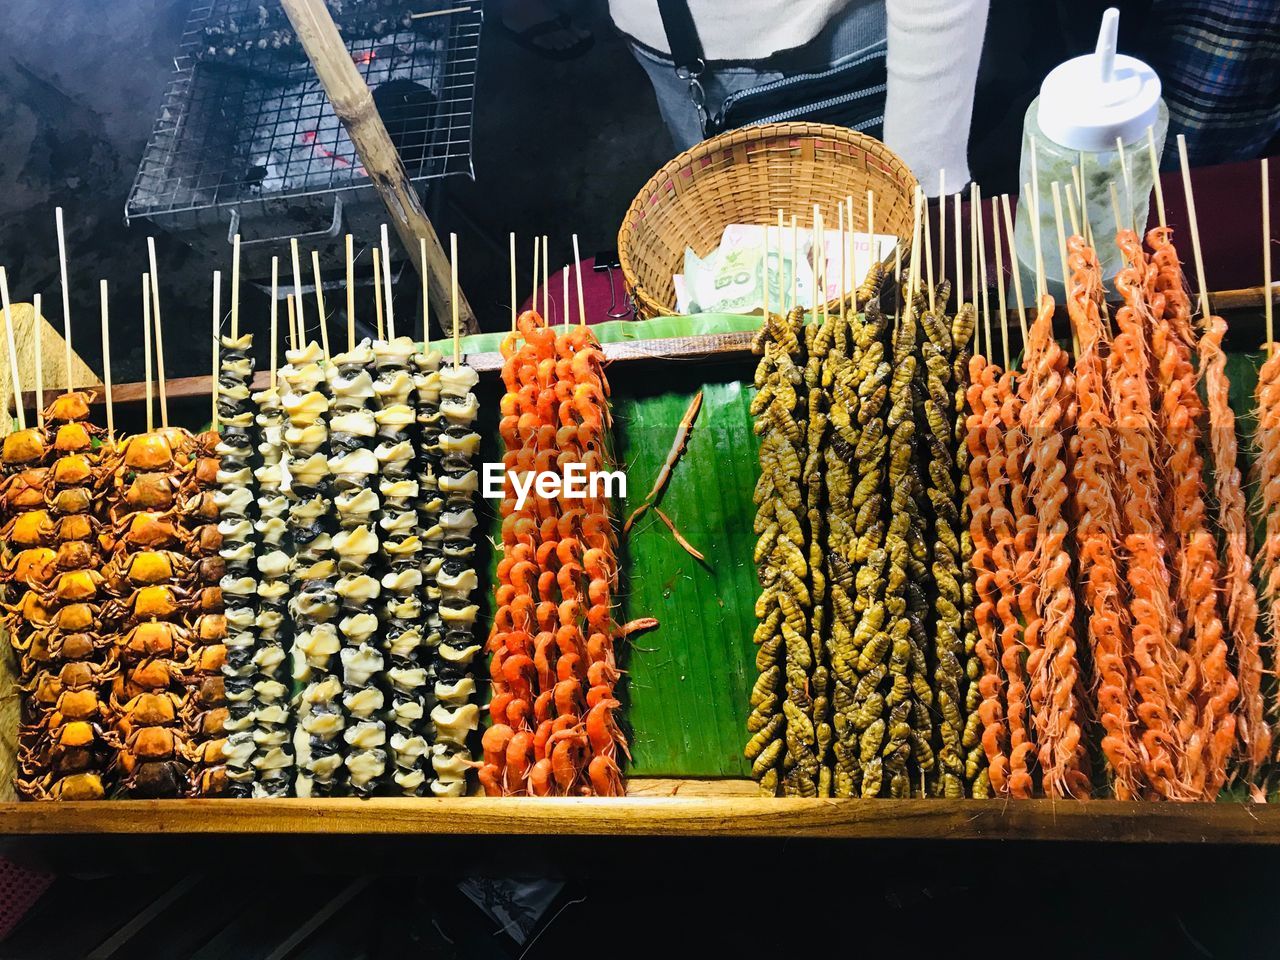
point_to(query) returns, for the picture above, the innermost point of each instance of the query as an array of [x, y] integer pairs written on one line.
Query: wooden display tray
[[677, 808], [714, 809]]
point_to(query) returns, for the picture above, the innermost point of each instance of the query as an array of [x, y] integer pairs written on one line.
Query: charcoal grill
[[246, 140]]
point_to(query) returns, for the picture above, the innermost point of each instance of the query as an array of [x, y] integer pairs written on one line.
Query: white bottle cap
[[1088, 101]]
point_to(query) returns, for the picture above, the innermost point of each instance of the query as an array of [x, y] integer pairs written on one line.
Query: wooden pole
[[354, 106]]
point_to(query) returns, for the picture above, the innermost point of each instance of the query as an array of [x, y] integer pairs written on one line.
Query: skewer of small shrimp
[[1267, 475], [1013, 527], [984, 442], [1208, 682], [1098, 521], [1052, 664], [1242, 600], [1156, 658]]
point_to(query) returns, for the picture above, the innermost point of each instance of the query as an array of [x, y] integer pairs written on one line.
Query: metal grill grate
[[245, 118]]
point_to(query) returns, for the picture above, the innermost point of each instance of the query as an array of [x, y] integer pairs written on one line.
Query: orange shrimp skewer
[[984, 409], [1098, 523], [1155, 629], [1014, 527], [1208, 682], [1267, 474], [1052, 664], [1242, 600]]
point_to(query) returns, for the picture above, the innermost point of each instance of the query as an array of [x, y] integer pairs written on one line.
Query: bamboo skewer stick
[[453, 268], [351, 295], [217, 323], [782, 293], [1195, 229], [982, 267], [1128, 184], [1062, 253], [155, 318], [426, 292], [294, 340], [377, 291], [1085, 225], [1016, 268], [324, 318], [512, 251], [66, 293], [1034, 193], [873, 248], [577, 272], [795, 264], [39, 345], [297, 286], [353, 104], [546, 269], [913, 273], [959, 253], [160, 377], [840, 277], [1155, 175], [1000, 292], [928, 253], [942, 224], [1035, 240], [974, 201], [235, 288], [13, 350], [386, 277], [1115, 206], [1072, 215], [537, 255], [146, 347], [275, 312], [564, 306], [1267, 293], [106, 359]]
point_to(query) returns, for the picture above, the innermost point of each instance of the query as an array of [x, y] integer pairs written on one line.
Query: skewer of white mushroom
[[234, 500], [413, 678], [318, 742], [273, 760], [355, 470], [455, 715], [401, 609]]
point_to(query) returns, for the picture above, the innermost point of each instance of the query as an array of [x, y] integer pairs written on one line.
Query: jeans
[[855, 31]]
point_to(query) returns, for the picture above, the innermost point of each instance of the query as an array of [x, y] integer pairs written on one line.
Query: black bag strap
[[686, 51], [682, 35]]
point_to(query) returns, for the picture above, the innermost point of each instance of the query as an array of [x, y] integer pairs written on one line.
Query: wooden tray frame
[[685, 808]]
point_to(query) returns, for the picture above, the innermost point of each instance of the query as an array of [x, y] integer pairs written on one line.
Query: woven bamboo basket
[[747, 176]]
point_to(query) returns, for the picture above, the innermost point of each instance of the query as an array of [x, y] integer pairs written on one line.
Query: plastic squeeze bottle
[[1095, 123]]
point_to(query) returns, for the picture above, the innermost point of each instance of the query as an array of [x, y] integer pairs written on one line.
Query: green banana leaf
[[689, 681]]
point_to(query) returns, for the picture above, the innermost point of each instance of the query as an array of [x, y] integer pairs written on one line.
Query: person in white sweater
[[933, 48]]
